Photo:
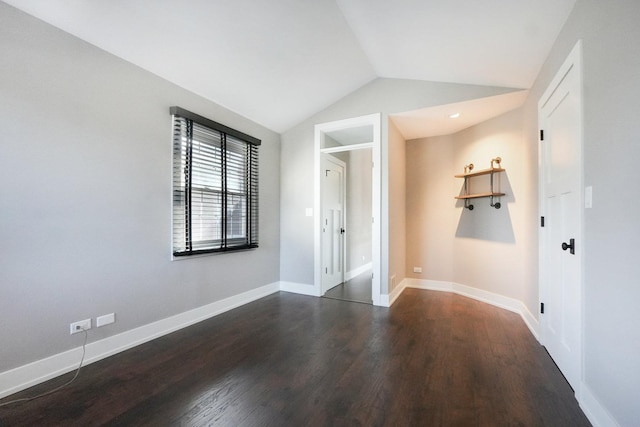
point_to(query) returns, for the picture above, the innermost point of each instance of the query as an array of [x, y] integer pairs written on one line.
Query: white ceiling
[[278, 62]]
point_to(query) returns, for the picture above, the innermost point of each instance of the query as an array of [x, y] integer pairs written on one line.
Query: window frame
[[233, 161]]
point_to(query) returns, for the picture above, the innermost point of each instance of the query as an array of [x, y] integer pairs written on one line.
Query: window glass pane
[[236, 216], [207, 162], [206, 217], [236, 165]]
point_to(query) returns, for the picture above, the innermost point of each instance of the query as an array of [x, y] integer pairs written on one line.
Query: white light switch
[[588, 197], [106, 319], [308, 212]]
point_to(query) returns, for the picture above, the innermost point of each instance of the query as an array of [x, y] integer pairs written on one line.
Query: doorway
[[333, 221], [354, 230], [356, 143], [561, 205]]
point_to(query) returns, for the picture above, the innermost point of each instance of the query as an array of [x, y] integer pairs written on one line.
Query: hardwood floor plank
[[433, 359]]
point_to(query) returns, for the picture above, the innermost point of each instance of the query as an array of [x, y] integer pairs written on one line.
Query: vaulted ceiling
[[278, 62]]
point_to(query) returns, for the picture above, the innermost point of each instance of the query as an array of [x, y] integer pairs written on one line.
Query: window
[[215, 186]]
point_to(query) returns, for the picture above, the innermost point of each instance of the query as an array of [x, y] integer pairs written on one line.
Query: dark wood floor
[[357, 289], [433, 359]]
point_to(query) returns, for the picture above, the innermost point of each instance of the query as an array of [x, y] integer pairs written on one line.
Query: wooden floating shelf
[[481, 172], [479, 195], [492, 193]]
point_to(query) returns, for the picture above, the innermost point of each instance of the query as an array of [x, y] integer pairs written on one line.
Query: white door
[[333, 232], [560, 116]]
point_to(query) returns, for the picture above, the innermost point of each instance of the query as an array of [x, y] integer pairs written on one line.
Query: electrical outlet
[[107, 319], [417, 269], [76, 327]]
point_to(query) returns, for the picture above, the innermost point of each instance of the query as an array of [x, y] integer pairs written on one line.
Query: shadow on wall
[[485, 222]]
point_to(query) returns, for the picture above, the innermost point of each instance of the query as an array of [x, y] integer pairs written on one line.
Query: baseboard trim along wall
[[299, 288], [25, 376], [595, 412], [501, 301], [357, 271]]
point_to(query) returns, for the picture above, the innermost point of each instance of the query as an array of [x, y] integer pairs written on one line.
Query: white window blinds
[[215, 186]]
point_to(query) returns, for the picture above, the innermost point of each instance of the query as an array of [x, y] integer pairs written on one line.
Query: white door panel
[[561, 205], [333, 196]]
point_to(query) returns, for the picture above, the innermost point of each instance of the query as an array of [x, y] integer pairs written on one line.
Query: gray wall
[[85, 162], [610, 33]]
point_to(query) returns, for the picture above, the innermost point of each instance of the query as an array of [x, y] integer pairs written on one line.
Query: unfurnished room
[[319, 213]]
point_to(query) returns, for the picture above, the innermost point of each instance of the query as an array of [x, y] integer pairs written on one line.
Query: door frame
[[373, 120], [573, 61], [326, 157]]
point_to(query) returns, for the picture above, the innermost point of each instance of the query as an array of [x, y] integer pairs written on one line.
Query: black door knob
[[571, 246]]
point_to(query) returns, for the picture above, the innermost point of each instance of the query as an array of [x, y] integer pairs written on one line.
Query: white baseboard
[[501, 301], [25, 376], [299, 288], [358, 271], [595, 412], [387, 300]]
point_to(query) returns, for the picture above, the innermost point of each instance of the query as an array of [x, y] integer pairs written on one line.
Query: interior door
[[560, 115], [333, 227]]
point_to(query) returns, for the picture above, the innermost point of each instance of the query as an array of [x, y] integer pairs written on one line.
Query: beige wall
[[485, 247], [397, 206], [430, 208], [490, 244]]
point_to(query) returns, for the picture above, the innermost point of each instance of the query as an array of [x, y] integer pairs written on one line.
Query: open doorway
[[347, 249], [334, 203]]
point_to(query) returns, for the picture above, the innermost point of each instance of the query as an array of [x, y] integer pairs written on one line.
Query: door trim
[[573, 61]]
